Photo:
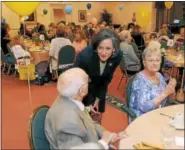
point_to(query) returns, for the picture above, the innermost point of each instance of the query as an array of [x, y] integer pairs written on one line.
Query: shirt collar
[[79, 104]]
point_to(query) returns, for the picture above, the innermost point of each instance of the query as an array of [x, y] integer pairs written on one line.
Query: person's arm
[[142, 96], [132, 55], [72, 134], [52, 48], [135, 48]]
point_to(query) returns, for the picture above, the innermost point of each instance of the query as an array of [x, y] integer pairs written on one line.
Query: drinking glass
[[167, 133]]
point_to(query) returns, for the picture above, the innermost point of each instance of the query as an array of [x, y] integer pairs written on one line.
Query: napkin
[[179, 141], [145, 145]]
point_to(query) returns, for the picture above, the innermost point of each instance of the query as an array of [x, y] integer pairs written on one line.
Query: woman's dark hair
[[105, 34], [130, 25]]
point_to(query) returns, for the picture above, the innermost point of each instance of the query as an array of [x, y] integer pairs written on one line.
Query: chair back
[[128, 90], [123, 67], [11, 56], [3, 57], [66, 55], [37, 138]]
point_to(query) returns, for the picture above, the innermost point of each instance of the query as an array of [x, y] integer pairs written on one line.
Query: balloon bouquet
[[24, 9]]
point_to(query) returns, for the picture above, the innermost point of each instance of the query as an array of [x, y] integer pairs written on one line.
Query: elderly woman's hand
[[170, 89]]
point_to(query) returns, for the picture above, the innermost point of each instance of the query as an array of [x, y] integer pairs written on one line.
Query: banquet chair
[[126, 107], [66, 58], [125, 74], [11, 60], [3, 61], [37, 137]]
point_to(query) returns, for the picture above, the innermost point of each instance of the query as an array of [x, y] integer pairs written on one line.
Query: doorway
[[59, 15]]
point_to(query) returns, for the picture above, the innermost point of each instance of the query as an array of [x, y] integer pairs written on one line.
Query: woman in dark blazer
[[99, 60]]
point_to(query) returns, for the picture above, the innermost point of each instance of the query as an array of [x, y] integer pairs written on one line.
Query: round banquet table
[[147, 128], [39, 56]]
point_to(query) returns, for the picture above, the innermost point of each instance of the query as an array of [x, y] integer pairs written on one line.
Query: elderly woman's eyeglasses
[[153, 61]]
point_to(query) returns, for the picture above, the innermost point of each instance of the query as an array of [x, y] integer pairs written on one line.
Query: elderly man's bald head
[[70, 82]]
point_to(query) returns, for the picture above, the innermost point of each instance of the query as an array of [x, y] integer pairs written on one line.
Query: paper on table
[[179, 141]]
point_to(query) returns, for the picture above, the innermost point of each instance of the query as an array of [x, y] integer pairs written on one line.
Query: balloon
[[121, 7], [22, 8], [94, 21], [89, 6], [168, 4], [143, 16], [68, 9], [44, 11]]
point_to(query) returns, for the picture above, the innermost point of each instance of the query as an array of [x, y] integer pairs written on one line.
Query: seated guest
[[68, 123], [79, 42], [138, 37], [5, 37], [51, 31], [130, 26], [89, 30], [23, 30], [181, 38], [165, 27], [149, 89], [163, 35], [132, 62], [56, 44], [69, 33], [21, 56]]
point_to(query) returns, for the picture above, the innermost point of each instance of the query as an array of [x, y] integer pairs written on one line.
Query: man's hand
[[108, 136], [119, 136]]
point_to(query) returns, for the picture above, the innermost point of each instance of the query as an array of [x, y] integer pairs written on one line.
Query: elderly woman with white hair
[[132, 62], [149, 90]]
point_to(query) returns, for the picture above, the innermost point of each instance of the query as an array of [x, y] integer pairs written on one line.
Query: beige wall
[[119, 17], [125, 15]]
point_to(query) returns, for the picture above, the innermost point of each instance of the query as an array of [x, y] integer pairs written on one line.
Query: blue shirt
[[144, 92]]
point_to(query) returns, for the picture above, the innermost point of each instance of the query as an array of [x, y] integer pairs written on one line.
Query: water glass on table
[[167, 133]]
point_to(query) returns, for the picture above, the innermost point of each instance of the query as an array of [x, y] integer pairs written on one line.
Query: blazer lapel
[[107, 68]]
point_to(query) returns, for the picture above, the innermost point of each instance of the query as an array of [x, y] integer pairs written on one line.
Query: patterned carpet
[[116, 103]]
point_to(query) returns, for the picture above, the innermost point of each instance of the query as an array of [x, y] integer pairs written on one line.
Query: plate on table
[[177, 127]]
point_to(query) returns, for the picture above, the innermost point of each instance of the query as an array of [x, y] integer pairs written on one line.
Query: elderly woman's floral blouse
[[144, 92]]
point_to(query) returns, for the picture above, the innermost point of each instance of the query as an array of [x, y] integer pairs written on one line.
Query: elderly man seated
[[68, 124]]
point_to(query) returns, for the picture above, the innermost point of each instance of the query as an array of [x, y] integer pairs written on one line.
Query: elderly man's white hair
[[71, 81]]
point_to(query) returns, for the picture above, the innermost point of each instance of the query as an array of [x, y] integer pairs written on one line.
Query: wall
[[125, 15], [119, 17]]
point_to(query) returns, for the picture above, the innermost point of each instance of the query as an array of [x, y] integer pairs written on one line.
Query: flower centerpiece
[[36, 38], [179, 45]]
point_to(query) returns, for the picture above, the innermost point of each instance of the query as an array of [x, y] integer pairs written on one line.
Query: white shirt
[[57, 44], [19, 51], [82, 107]]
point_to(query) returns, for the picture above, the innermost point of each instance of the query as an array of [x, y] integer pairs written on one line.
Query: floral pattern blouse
[[144, 92]]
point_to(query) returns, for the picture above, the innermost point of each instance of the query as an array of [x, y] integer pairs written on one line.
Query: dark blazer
[[88, 60]]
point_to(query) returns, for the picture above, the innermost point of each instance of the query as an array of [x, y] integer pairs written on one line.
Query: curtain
[[176, 12]]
